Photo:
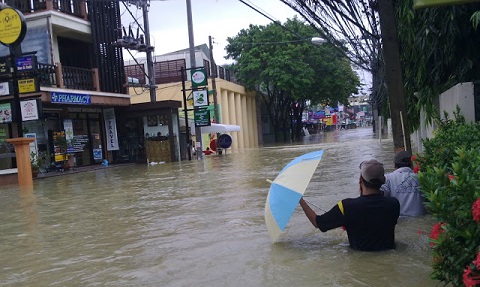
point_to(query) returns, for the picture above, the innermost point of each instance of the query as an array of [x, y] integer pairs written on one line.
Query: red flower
[[437, 230], [477, 261], [416, 168], [413, 158], [476, 210], [451, 177], [471, 278]]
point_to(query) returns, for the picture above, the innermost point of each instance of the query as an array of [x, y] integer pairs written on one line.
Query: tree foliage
[[288, 70], [439, 48]]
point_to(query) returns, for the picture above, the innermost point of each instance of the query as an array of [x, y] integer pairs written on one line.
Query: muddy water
[[201, 223]]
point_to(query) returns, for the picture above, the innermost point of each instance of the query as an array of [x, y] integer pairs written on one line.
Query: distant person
[[207, 151], [369, 219], [403, 184]]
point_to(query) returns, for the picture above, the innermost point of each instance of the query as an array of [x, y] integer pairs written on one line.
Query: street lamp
[[318, 41]]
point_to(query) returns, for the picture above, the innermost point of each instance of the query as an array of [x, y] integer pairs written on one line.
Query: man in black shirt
[[369, 219]]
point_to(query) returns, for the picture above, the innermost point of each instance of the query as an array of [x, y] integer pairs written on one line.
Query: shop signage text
[[69, 98]]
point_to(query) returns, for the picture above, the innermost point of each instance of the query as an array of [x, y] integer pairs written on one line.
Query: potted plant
[[62, 143], [37, 162]]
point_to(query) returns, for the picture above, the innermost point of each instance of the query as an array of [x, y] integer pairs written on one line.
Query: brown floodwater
[[201, 223]]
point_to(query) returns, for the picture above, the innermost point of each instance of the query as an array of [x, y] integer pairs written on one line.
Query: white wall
[[460, 95]]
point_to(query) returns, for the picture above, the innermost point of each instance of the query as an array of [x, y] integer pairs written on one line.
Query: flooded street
[[201, 223]]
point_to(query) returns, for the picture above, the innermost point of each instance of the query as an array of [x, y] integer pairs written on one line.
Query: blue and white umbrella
[[287, 189]]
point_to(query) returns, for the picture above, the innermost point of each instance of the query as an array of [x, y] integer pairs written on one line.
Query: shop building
[[79, 89]]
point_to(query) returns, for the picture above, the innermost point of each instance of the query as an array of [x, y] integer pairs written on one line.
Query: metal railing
[[77, 78], [71, 7]]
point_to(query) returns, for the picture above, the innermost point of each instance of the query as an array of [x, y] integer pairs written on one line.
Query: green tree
[[287, 70]]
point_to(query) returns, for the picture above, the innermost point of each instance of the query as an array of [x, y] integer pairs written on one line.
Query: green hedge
[[449, 174]]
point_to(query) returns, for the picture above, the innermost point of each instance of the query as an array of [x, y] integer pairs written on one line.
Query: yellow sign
[[434, 3], [11, 26], [26, 86]]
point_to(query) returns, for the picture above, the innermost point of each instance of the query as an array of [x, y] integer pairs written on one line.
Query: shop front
[[149, 132], [70, 129]]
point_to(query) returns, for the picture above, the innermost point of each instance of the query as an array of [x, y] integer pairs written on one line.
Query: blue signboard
[[69, 98], [26, 64]]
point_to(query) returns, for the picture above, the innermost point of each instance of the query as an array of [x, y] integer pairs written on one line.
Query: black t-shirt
[[369, 220]]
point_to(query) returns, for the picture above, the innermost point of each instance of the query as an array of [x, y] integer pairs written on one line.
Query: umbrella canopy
[[220, 128], [287, 189]]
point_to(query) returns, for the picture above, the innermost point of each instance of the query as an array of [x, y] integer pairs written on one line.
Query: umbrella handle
[[269, 181]]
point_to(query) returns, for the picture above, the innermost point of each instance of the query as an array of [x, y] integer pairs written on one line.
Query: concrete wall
[[461, 95]]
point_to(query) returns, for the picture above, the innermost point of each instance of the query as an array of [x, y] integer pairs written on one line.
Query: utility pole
[[213, 74], [151, 71], [198, 131], [393, 76]]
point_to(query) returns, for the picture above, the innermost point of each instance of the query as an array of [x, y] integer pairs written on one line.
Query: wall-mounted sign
[[27, 86], [5, 113], [12, 26], [5, 89], [29, 110], [70, 98], [202, 117], [199, 77], [26, 64], [200, 98]]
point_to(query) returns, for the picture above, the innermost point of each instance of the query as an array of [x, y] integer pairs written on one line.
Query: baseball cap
[[403, 157], [372, 171]]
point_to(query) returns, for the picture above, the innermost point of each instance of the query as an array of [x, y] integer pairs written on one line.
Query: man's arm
[[311, 215]]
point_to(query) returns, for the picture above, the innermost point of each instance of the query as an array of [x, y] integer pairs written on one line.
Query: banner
[[111, 129]]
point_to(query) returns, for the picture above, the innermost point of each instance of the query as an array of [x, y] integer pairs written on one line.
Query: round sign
[[12, 26], [224, 141]]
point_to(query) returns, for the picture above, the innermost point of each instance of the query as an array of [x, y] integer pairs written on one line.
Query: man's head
[[403, 159], [372, 173]]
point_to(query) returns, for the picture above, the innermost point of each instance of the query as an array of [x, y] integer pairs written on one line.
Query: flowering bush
[[449, 174]]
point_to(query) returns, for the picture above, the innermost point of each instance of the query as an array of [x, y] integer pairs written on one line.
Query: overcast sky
[[217, 18]]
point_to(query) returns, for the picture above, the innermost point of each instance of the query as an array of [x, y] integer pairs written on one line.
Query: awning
[[220, 128]]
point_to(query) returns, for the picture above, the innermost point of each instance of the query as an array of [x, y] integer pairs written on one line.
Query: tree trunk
[[393, 76]]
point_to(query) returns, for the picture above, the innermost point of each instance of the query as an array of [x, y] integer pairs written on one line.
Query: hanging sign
[[26, 86], [202, 117], [29, 110], [26, 64], [5, 89], [5, 65], [12, 26], [111, 128], [199, 77], [200, 98], [5, 113]]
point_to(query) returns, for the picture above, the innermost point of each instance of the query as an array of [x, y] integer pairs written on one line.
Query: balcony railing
[[68, 77], [73, 7]]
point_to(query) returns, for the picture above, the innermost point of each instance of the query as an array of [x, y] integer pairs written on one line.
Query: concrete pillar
[[238, 119], [246, 130], [22, 152]]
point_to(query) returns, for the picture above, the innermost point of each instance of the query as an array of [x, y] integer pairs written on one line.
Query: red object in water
[[213, 144]]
